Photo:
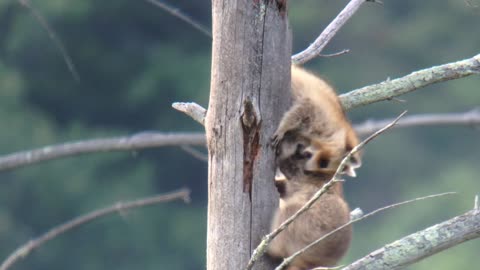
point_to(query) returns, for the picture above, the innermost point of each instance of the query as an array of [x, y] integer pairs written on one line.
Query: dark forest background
[[134, 60]]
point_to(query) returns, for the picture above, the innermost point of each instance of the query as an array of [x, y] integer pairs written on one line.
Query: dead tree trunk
[[249, 83]]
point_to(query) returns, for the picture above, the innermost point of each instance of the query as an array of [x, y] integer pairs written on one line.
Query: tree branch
[[262, 247], [391, 88], [288, 260], [120, 207], [176, 13], [53, 36], [317, 46], [470, 118], [158, 139], [422, 244], [191, 109], [386, 90], [194, 153], [134, 142]]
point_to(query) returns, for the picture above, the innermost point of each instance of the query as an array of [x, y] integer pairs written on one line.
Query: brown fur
[[327, 214], [313, 137], [315, 127]]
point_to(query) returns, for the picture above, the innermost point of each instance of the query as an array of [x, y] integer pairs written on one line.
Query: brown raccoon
[[315, 128], [313, 137], [327, 214]]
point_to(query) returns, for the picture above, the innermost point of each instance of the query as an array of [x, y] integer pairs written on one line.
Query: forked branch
[[119, 207]]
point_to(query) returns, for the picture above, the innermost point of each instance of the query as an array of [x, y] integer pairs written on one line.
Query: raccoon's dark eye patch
[[348, 148], [300, 148], [323, 163], [307, 154], [300, 153]]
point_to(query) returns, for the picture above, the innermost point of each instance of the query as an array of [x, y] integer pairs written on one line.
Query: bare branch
[[44, 23], [176, 12], [119, 207], [134, 142], [471, 118], [288, 260], [391, 88], [262, 247], [157, 139], [422, 244], [317, 46], [195, 153], [191, 109]]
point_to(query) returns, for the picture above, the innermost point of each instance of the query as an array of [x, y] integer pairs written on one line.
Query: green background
[[134, 60]]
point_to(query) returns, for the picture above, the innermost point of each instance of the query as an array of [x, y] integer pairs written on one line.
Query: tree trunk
[[249, 93]]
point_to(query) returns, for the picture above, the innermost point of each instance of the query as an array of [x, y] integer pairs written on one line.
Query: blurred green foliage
[[134, 60]]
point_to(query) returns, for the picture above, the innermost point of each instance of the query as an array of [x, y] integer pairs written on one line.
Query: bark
[[249, 86]]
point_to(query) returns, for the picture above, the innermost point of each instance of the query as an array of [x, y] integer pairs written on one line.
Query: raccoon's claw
[[276, 140]]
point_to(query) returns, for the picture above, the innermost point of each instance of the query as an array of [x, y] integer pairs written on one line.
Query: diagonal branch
[[262, 247], [119, 207], [422, 244], [288, 260], [317, 46], [391, 88], [128, 143]]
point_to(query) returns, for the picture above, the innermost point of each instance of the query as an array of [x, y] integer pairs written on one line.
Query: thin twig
[[288, 260], [262, 247], [44, 23], [33, 244], [129, 143], [470, 118], [422, 244], [335, 54], [391, 88], [176, 12], [317, 46]]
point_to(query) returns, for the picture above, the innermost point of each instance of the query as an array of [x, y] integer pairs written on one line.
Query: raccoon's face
[[323, 157], [291, 155]]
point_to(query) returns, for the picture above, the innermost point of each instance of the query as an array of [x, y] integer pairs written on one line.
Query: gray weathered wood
[[249, 86]]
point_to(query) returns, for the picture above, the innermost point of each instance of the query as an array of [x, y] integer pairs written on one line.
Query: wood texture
[[249, 92]]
